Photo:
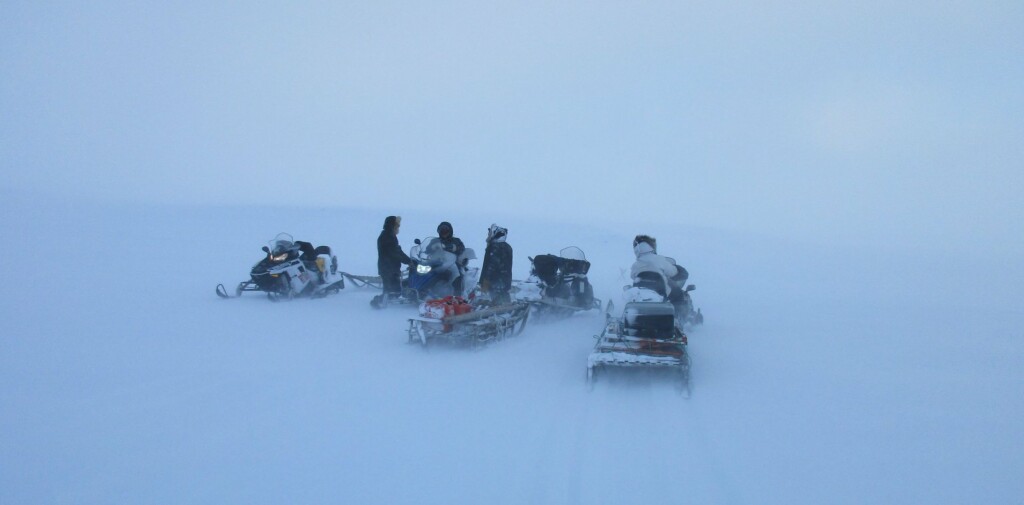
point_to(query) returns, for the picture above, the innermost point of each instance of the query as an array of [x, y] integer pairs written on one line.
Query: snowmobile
[[558, 285], [433, 274], [648, 334], [292, 269], [457, 321]]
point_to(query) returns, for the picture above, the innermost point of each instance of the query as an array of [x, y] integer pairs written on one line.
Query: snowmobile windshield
[[283, 243], [431, 252], [573, 253]]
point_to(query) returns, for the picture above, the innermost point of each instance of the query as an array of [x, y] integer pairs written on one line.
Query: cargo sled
[[456, 321]]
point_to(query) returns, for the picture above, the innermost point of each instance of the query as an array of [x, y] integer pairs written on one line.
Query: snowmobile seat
[[570, 266], [309, 253], [650, 280], [545, 267], [306, 249], [649, 320]]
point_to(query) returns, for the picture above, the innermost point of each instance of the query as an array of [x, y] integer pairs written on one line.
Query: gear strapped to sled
[[463, 322], [441, 308]]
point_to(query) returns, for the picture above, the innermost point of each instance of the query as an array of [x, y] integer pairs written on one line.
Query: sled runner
[[362, 281]]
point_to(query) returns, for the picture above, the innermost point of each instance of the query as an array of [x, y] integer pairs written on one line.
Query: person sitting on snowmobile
[[390, 257], [455, 246], [648, 260], [496, 273]]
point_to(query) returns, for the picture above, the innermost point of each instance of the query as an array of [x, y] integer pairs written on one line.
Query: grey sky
[[854, 121]]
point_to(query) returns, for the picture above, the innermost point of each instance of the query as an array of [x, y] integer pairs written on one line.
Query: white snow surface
[[822, 374]]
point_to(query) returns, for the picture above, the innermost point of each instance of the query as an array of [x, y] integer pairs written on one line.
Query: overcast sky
[[856, 121]]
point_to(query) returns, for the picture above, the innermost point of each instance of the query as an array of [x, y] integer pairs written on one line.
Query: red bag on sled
[[440, 308]]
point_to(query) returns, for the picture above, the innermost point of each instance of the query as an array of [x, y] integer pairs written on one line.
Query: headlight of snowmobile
[[279, 258], [422, 269]]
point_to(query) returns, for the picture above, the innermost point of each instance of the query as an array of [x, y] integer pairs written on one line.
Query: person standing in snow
[[496, 273], [390, 257]]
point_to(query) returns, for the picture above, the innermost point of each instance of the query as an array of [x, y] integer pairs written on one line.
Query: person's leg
[[501, 297], [392, 284], [457, 286]]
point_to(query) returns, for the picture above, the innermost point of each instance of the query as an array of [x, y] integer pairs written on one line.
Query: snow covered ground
[[823, 374]]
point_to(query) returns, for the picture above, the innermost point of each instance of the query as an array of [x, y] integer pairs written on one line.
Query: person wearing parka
[[454, 245], [496, 273], [645, 248], [390, 256]]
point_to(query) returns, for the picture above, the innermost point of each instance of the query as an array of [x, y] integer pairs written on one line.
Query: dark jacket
[[496, 273], [451, 244], [390, 256]]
